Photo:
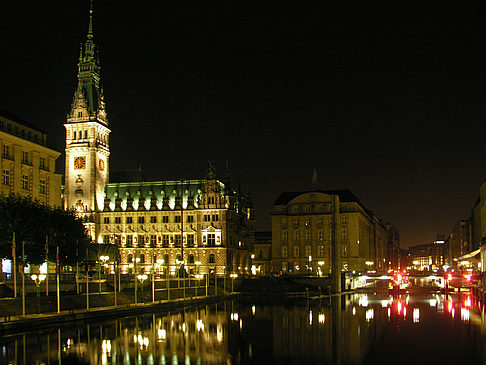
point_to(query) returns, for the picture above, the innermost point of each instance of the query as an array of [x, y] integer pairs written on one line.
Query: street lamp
[[233, 276], [142, 278], [103, 260], [38, 279]]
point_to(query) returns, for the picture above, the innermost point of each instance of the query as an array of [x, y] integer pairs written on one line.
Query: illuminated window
[[42, 186], [190, 240], [6, 151], [284, 236], [296, 222], [320, 251], [211, 239], [25, 182], [296, 251], [320, 235], [345, 251], [6, 177], [25, 157]]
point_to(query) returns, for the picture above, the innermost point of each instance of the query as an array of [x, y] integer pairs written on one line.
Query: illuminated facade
[[308, 226], [87, 136], [159, 225], [28, 164]]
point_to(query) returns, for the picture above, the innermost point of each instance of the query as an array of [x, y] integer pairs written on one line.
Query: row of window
[[165, 261], [308, 251], [320, 235], [26, 157], [166, 240], [21, 132], [308, 221], [165, 219], [81, 135], [25, 182]]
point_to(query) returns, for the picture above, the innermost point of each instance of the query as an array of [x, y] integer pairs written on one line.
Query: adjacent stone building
[[28, 165], [313, 231]]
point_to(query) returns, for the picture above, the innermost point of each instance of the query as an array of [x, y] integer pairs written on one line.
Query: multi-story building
[[28, 164], [262, 253], [314, 230], [393, 247], [459, 241], [201, 224], [428, 257]]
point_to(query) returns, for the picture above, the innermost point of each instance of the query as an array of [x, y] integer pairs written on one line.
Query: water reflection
[[350, 329]]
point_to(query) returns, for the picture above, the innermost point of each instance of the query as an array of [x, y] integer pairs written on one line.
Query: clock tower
[[87, 135]]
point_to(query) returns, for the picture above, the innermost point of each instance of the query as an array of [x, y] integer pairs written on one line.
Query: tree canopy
[[35, 224]]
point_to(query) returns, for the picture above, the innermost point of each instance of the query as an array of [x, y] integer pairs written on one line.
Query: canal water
[[349, 329]]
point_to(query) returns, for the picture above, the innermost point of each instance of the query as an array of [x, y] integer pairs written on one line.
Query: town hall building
[[201, 224]]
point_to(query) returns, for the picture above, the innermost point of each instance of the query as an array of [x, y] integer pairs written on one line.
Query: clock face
[[101, 165], [79, 162]]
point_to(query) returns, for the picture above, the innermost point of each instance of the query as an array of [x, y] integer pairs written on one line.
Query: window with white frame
[[285, 251], [6, 177], [25, 182]]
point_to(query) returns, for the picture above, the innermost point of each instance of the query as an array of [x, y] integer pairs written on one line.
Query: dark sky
[[385, 98]]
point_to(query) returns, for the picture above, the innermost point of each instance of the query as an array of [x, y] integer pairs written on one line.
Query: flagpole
[[14, 269], [47, 265], [57, 280], [23, 279]]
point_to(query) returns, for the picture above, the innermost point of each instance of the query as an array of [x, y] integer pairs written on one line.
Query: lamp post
[[233, 276], [38, 280], [142, 278]]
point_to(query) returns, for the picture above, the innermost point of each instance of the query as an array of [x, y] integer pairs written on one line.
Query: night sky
[[385, 98]]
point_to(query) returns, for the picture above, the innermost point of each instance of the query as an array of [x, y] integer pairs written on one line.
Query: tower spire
[[90, 26]]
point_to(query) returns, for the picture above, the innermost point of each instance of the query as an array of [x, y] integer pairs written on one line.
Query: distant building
[[428, 257], [28, 164], [459, 242], [393, 247], [201, 224], [312, 230], [262, 253]]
